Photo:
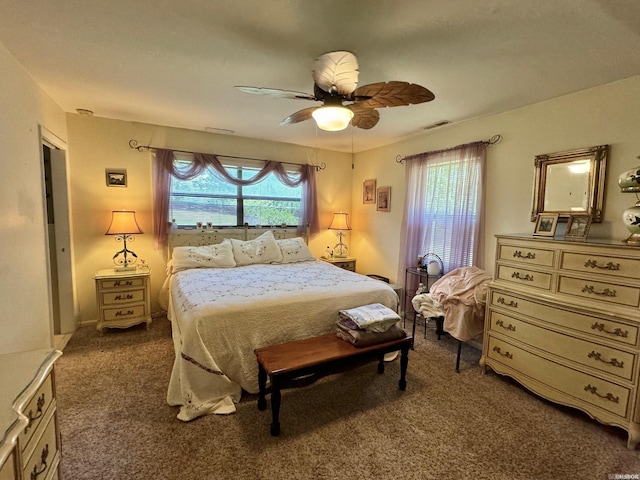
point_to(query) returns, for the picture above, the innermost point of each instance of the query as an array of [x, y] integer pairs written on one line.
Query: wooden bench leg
[[275, 408], [404, 362], [458, 357], [262, 385], [381, 364]]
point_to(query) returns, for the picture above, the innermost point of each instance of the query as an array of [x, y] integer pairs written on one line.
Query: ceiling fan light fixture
[[332, 118]]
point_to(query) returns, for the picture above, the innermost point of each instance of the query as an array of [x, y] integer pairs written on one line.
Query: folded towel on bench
[[372, 318], [362, 338]]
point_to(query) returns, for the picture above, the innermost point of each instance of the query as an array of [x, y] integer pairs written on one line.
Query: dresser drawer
[[600, 291], [126, 296], [36, 410], [526, 255], [124, 312], [600, 264], [120, 283], [594, 355], [525, 277], [576, 320], [583, 387], [42, 459]]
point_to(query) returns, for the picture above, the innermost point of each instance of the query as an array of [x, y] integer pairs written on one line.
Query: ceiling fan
[[335, 76]]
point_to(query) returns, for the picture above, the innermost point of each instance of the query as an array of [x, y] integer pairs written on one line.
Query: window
[[443, 211], [210, 198], [451, 209]]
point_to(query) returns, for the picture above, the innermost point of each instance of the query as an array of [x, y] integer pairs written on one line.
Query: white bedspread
[[220, 316]]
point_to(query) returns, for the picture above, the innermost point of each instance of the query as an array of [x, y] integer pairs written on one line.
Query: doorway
[[62, 296]]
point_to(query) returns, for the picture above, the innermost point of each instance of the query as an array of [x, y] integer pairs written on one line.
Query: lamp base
[[129, 268], [633, 239]]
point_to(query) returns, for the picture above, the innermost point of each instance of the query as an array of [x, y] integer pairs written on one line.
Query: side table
[[123, 298], [348, 263], [412, 277]]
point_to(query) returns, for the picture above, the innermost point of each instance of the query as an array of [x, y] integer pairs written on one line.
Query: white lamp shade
[[332, 119], [123, 222], [340, 222]]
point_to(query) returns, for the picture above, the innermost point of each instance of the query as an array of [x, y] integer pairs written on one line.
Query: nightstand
[[348, 263], [123, 298]]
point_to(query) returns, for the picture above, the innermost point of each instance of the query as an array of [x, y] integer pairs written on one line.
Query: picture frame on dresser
[[546, 224], [578, 227]]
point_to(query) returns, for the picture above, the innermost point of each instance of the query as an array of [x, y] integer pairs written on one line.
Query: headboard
[[208, 236]]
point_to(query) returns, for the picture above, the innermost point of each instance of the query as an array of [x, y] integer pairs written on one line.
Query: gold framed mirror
[[570, 183]]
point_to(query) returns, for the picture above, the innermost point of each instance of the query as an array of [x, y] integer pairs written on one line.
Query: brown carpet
[[115, 423]]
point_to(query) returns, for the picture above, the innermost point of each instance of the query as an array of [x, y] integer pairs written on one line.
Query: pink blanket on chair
[[461, 295]]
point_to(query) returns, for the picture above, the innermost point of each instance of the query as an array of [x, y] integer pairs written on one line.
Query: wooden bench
[[296, 363]]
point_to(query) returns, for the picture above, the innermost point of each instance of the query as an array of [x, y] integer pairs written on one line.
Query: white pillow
[[294, 250], [263, 249], [219, 255]]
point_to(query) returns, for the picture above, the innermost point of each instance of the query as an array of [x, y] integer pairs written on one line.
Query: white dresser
[[30, 442], [563, 319]]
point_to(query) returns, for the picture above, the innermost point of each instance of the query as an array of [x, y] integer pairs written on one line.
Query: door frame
[[65, 264]]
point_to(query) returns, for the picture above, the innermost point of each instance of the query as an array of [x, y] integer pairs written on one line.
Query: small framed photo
[[384, 199], [577, 227], [116, 177], [546, 224], [369, 191]]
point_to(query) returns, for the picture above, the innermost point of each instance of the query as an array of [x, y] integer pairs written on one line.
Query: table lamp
[[124, 226], [340, 222]]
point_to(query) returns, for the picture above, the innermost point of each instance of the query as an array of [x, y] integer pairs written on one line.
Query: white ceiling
[[175, 62]]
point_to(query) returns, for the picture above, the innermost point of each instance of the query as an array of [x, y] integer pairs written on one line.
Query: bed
[[221, 314]]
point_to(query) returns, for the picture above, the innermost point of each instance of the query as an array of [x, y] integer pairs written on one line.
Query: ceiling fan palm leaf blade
[[393, 94], [299, 116], [364, 117], [275, 92], [336, 69]]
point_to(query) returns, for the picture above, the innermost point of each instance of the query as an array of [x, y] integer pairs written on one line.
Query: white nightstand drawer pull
[[511, 303], [519, 276], [505, 354], [128, 296], [527, 256], [120, 313]]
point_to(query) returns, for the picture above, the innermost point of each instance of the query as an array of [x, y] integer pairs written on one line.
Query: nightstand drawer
[[123, 283], [126, 296], [124, 312], [350, 265]]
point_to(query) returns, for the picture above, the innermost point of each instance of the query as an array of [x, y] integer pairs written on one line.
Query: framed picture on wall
[[384, 199], [577, 227], [116, 177], [369, 191], [546, 224]]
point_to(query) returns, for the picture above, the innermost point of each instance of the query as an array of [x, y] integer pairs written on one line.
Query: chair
[[457, 300]]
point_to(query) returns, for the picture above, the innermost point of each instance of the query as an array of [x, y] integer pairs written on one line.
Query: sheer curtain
[[444, 209], [164, 167]]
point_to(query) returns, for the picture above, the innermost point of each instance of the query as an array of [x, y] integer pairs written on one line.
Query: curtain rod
[[141, 148], [492, 141]]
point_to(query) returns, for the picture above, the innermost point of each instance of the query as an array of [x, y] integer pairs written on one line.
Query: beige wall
[[99, 143], [25, 320], [602, 115]]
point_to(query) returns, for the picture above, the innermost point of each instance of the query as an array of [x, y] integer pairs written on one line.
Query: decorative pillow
[[294, 250], [263, 249], [219, 255]]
